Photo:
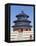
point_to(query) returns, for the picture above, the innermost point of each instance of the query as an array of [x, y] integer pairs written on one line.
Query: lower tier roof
[[22, 26]]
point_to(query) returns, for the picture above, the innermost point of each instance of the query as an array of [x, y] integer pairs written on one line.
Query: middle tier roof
[[21, 21]]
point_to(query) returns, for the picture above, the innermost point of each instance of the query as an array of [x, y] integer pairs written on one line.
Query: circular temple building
[[22, 23]]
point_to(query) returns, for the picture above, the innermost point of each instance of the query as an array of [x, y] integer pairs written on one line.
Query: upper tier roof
[[22, 14]]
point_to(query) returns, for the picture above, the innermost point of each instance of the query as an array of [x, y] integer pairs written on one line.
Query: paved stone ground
[[26, 35]]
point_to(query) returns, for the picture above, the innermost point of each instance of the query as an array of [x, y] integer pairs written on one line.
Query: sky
[[17, 9]]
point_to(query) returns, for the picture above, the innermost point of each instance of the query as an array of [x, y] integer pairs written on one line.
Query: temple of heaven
[[22, 23]]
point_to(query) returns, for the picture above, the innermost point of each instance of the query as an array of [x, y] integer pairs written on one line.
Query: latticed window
[[30, 29], [21, 30], [26, 29]]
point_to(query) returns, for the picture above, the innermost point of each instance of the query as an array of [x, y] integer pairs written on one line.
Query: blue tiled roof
[[22, 21], [22, 15], [22, 26]]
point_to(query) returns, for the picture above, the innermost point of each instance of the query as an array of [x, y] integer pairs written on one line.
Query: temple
[[22, 23]]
